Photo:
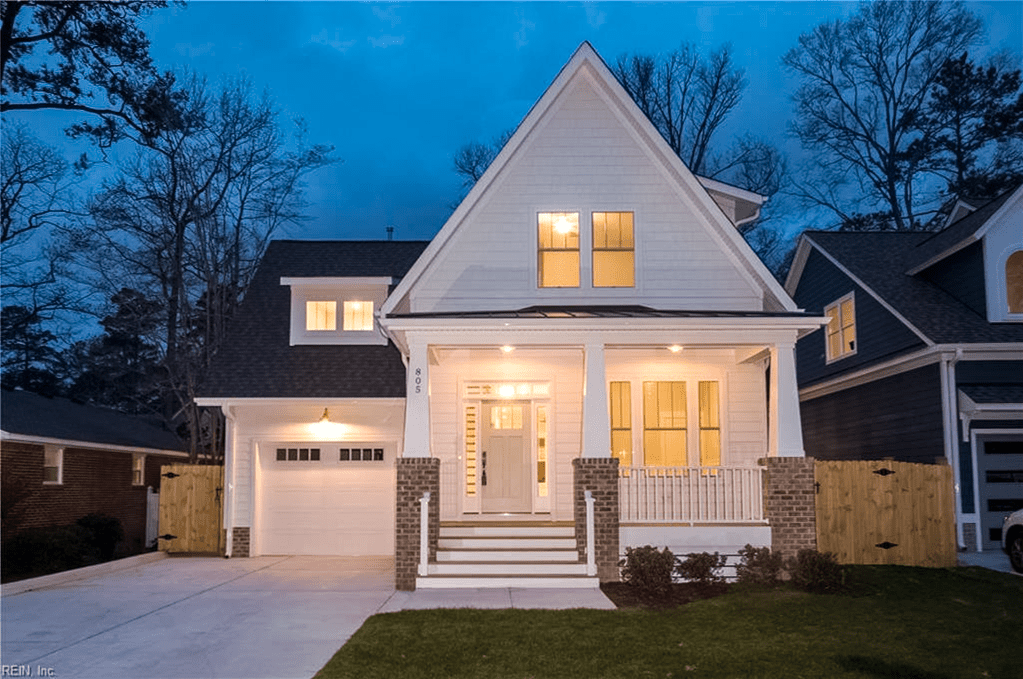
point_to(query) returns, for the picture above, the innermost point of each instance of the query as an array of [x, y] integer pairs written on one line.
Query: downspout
[[949, 417], [229, 453]]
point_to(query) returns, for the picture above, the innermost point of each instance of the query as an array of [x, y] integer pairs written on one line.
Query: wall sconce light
[[323, 428], [675, 348]]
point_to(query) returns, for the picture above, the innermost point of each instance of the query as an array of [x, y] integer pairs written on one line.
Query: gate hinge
[[884, 471], [168, 536], [886, 545], [171, 475]]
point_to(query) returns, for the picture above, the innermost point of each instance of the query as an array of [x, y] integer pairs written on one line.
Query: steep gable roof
[[585, 62], [957, 235], [257, 360], [31, 415], [878, 261]]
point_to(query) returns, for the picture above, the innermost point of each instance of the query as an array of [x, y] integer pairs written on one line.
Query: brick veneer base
[[598, 475], [791, 503], [416, 475], [240, 541]]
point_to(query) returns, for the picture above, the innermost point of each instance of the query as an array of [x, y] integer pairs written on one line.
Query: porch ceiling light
[[507, 348], [675, 348], [506, 390]]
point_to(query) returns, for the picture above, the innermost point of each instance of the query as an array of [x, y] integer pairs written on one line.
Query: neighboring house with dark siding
[[923, 357], [69, 460]]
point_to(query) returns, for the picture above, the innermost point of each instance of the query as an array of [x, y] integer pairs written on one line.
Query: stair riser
[[508, 531], [506, 543], [510, 581], [563, 556], [507, 569]]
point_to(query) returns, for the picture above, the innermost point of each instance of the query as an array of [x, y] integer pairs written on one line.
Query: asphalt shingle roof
[[880, 260], [257, 361], [27, 414], [993, 393]]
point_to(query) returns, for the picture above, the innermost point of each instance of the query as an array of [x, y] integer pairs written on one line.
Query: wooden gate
[[885, 512], [191, 502]]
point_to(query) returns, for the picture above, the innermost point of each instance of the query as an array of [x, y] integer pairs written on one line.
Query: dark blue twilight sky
[[397, 88]]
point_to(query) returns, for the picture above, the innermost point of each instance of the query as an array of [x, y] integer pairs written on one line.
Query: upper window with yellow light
[[558, 249], [336, 310], [614, 250]]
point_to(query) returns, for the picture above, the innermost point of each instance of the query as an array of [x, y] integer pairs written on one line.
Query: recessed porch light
[[675, 348], [507, 348]]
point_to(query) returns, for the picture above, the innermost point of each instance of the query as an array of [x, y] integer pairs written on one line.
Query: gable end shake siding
[[879, 333], [898, 417]]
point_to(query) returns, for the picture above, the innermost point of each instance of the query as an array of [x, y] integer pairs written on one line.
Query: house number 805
[[419, 380]]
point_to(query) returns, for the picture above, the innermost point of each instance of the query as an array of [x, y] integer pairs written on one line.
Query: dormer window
[[336, 310], [841, 329], [321, 315]]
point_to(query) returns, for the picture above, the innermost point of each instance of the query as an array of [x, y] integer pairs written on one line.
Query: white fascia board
[[87, 445], [880, 300], [798, 264], [555, 325], [730, 190], [232, 402], [331, 281]]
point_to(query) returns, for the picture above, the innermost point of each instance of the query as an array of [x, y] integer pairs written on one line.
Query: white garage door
[[333, 499]]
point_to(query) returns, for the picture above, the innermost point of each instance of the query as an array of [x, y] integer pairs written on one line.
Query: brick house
[[586, 357], [74, 460]]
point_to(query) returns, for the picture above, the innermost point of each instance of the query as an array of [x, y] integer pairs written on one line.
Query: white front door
[[504, 457]]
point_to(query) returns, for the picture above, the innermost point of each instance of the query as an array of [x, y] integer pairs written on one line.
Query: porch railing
[[691, 494]]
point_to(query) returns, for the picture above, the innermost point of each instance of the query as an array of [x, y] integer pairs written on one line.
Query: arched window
[[1014, 282]]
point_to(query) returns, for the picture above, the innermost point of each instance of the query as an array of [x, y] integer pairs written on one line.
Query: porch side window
[[558, 249], [710, 425], [621, 422], [841, 330], [470, 450], [614, 256], [664, 424], [541, 451], [1014, 282], [53, 465], [358, 315], [321, 315]]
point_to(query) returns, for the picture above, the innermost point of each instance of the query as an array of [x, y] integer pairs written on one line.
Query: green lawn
[[895, 622]]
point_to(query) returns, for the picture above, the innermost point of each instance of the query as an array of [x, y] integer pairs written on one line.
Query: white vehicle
[[1012, 539]]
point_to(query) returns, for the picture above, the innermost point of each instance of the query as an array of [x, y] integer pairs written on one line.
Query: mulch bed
[[627, 596]]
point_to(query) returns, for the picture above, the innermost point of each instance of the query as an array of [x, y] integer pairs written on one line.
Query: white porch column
[[230, 453], [786, 426], [417, 403], [596, 418]]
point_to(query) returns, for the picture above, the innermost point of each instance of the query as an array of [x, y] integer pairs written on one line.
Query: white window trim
[[998, 305], [60, 466], [586, 255], [829, 359]]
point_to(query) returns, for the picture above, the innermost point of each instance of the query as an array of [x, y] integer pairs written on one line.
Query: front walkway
[[188, 617]]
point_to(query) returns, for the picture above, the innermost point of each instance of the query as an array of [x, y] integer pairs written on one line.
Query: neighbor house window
[[710, 424], [138, 469], [1014, 282], [358, 315], [841, 330], [614, 254], [621, 422], [53, 465], [321, 315], [558, 249], [664, 424]]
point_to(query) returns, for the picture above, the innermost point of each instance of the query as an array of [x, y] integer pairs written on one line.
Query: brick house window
[[138, 469], [53, 465]]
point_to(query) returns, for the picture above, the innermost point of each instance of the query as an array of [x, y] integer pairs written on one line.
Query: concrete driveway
[[196, 617]]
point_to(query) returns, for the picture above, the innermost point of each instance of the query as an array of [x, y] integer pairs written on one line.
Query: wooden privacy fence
[[191, 499], [886, 512]]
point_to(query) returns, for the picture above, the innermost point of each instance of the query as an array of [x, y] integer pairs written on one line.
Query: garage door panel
[[326, 507]]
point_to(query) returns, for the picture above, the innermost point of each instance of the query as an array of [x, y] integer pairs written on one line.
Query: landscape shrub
[[702, 568], [40, 551], [758, 566], [106, 532], [816, 572], [648, 568]]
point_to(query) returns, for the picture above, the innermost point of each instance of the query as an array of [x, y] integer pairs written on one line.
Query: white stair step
[[524, 568], [505, 543], [507, 531], [522, 581], [556, 555]]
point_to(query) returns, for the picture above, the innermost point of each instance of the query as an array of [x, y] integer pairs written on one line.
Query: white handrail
[[424, 534], [691, 494], [591, 551]]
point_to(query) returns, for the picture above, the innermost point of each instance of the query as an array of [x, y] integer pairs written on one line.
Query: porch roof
[[603, 311], [993, 393]]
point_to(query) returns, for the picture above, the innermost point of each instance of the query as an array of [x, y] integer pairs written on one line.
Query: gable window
[[138, 469], [53, 465], [558, 249], [841, 329], [614, 254], [1014, 282], [358, 315], [321, 315]]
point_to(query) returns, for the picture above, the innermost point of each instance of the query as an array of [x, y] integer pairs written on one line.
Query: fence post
[[424, 534], [591, 550]]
